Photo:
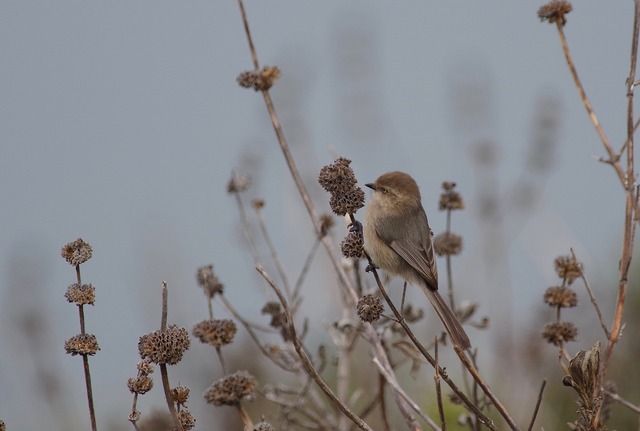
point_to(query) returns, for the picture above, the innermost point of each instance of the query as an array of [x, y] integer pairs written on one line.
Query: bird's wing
[[416, 248]]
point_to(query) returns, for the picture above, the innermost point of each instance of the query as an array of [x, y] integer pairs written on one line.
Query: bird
[[398, 239]]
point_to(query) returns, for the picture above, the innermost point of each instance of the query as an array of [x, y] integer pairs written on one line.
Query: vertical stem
[[87, 379], [449, 270]]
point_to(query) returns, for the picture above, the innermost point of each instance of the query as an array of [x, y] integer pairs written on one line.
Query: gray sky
[[121, 121]]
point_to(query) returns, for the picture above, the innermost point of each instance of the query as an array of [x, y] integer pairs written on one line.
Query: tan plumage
[[397, 237]]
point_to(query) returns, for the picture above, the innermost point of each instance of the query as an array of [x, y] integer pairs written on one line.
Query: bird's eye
[[383, 190]]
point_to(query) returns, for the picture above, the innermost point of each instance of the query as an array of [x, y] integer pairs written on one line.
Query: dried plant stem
[[624, 402], [383, 405], [449, 270], [535, 410], [274, 253], [85, 361], [391, 380], [306, 362], [592, 298], [305, 269], [631, 207], [436, 378], [244, 416], [400, 319], [613, 159], [253, 249], [163, 367]]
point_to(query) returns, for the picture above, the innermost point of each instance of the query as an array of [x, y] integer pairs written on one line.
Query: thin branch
[[244, 223], [622, 401], [535, 410], [163, 367], [85, 362], [305, 269], [436, 378], [274, 253], [304, 358], [592, 298]]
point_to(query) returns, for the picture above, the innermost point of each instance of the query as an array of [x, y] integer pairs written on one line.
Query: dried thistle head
[[353, 245], [230, 390], [560, 297], [259, 80], [209, 281], [164, 347], [347, 203], [238, 183], [447, 244], [337, 177], [140, 385], [568, 268], [180, 395], [186, 419], [450, 199], [215, 332], [558, 333], [145, 367], [76, 252], [81, 294], [82, 344], [555, 11], [278, 319], [263, 426], [370, 308]]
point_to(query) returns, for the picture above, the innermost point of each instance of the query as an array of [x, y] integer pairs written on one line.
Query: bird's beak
[[371, 186]]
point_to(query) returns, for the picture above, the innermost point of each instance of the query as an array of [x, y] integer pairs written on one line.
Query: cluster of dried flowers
[[259, 80], [562, 296]]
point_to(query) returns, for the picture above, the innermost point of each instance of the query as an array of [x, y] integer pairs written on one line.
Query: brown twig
[[436, 378], [304, 358], [622, 401], [535, 410], [592, 298], [163, 367], [274, 253]]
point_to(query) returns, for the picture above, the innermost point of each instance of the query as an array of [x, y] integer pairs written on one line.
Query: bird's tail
[[449, 320]]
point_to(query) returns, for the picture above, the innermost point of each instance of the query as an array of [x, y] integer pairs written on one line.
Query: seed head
[[81, 294], [561, 297], [338, 177], [215, 332], [230, 390], [140, 385], [447, 244], [555, 11], [326, 223], [82, 344], [558, 333], [180, 395], [187, 421], [568, 268], [263, 426], [278, 319], [145, 367], [76, 252], [164, 347], [347, 203], [450, 199], [259, 80], [370, 308], [238, 183], [353, 245], [209, 281]]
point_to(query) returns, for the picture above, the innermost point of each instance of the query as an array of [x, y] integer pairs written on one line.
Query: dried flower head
[[447, 244], [337, 177], [215, 332], [2, 426], [450, 199], [263, 426], [145, 367], [76, 252], [209, 281], [140, 385], [561, 297], [238, 183], [81, 294], [278, 318], [259, 80], [370, 308], [347, 203], [568, 268], [353, 245], [326, 223], [164, 347], [558, 333], [180, 395], [187, 421], [230, 390], [555, 11], [82, 344]]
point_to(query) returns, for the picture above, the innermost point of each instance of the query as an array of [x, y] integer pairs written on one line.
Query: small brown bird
[[397, 238]]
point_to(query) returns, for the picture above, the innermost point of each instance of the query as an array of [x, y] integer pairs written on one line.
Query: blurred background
[[121, 123]]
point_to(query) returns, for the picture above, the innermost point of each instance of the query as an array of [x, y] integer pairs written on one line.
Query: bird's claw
[[370, 267], [355, 226]]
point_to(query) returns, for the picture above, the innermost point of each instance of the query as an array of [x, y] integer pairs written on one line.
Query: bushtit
[[397, 238]]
